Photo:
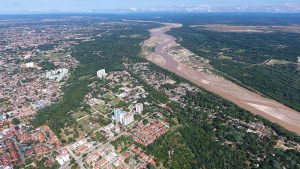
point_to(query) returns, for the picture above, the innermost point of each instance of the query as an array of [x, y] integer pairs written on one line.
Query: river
[[246, 99]]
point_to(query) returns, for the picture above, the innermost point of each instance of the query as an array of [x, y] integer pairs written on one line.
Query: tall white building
[[127, 119], [123, 117], [139, 108], [101, 73], [118, 115]]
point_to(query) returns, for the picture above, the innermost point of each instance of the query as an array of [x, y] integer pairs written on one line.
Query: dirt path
[[257, 104]]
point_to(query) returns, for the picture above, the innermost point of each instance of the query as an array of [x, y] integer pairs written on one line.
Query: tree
[[74, 166], [15, 121], [150, 166], [126, 160], [145, 121], [72, 161], [28, 161]]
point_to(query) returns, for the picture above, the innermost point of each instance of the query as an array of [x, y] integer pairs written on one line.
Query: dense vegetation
[[46, 65], [242, 56]]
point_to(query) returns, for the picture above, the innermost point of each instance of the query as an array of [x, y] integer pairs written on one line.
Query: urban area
[[124, 115]]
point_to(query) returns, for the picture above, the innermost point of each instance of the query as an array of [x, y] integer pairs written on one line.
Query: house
[[101, 73], [63, 157]]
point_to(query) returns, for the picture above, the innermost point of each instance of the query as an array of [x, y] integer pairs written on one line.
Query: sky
[[19, 6]]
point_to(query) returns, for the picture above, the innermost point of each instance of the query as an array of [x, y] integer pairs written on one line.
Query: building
[[12, 151], [95, 101], [78, 143], [57, 75], [139, 108], [29, 65], [117, 129], [41, 137], [127, 119], [257, 126], [63, 157], [40, 104], [118, 115], [108, 127], [123, 117], [101, 73]]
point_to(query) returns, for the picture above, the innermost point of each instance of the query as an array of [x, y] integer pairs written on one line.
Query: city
[[138, 91], [107, 128]]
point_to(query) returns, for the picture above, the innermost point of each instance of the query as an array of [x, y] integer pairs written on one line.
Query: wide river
[[246, 99]]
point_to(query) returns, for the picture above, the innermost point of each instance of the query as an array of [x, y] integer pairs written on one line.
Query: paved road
[[77, 159]]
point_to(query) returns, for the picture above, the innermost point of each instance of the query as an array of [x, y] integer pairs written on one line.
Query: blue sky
[[12, 6]]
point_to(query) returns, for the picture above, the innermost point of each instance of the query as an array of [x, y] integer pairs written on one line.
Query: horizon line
[[139, 12]]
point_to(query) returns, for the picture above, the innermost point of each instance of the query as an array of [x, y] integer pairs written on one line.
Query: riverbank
[[246, 99]]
